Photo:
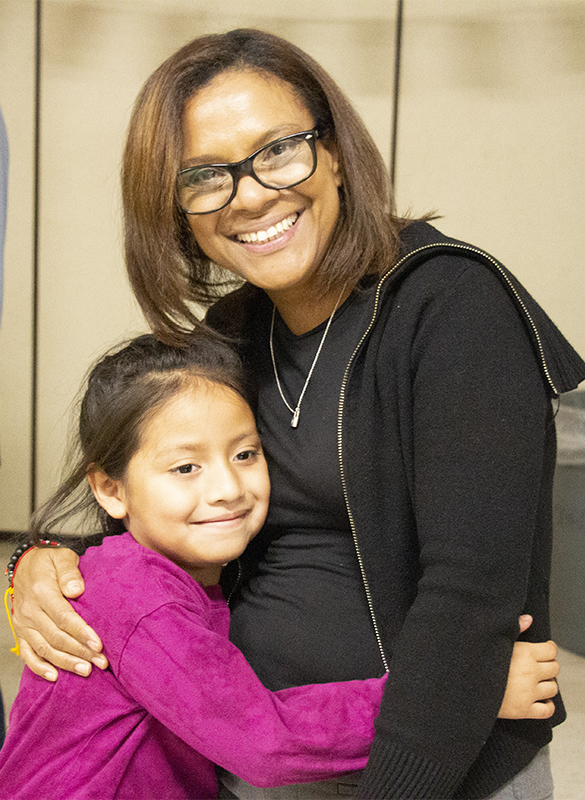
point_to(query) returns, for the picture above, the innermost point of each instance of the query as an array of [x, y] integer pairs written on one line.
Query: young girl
[[170, 450]]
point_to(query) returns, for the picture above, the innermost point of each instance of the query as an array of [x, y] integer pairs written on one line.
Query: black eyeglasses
[[284, 163]]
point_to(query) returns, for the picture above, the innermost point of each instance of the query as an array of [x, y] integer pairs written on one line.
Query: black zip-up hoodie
[[446, 452]]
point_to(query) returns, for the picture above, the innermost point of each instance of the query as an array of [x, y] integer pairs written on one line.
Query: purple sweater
[[177, 699]]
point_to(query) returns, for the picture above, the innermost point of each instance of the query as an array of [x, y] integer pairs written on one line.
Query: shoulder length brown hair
[[168, 271]]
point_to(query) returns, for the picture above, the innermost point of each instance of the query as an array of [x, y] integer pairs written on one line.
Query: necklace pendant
[[296, 413]]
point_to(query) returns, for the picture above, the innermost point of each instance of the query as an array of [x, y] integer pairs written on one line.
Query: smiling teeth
[[270, 233]]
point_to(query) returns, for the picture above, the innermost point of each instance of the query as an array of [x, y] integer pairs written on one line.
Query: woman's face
[[226, 121]]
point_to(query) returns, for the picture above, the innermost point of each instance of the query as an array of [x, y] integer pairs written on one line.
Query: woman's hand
[[531, 679], [49, 631]]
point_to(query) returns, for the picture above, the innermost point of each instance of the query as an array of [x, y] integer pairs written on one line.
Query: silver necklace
[[296, 412]]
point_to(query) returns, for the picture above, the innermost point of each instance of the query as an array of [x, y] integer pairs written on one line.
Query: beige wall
[[493, 136], [492, 125], [16, 98]]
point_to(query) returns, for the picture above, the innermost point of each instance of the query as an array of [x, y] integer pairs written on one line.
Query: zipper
[[354, 535], [236, 582], [462, 249]]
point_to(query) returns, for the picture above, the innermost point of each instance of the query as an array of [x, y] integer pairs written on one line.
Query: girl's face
[[197, 489], [226, 121]]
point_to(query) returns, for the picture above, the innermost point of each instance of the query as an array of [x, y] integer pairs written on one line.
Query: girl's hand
[[49, 631], [531, 679]]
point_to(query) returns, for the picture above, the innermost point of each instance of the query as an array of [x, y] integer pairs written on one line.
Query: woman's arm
[[49, 631], [479, 461]]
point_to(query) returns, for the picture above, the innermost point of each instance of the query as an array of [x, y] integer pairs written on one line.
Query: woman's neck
[[302, 313]]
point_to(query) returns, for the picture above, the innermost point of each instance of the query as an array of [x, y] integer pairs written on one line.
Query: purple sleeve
[[201, 687]]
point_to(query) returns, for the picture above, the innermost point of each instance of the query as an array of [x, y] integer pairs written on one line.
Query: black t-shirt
[[303, 617]]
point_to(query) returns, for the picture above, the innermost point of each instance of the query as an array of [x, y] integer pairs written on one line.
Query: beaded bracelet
[[15, 560], [21, 551]]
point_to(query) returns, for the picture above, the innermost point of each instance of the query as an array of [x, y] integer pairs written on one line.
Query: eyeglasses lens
[[280, 165]]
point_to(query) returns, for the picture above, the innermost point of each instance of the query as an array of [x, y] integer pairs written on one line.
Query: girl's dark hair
[[168, 270], [124, 389]]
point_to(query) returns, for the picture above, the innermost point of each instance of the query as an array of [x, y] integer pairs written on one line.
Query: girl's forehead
[[201, 409], [196, 394]]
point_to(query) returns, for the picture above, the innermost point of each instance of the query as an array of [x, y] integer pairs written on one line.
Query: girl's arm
[[49, 631], [531, 679], [200, 686]]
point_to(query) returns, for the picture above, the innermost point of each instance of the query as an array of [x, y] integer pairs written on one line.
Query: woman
[[403, 395]]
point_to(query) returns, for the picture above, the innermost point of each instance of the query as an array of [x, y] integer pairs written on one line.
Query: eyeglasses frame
[[239, 169]]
